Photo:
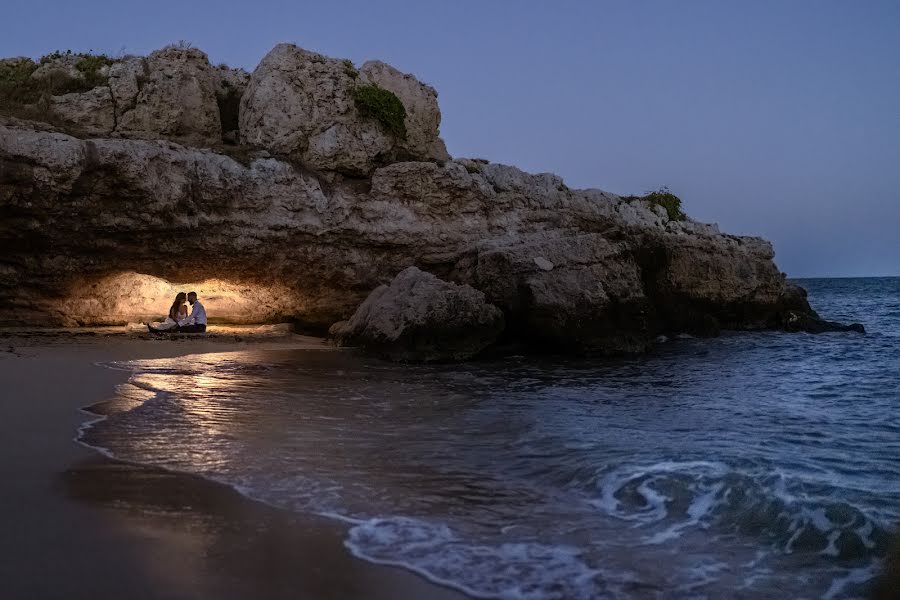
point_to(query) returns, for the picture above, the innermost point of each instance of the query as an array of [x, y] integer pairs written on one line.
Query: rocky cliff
[[295, 191]]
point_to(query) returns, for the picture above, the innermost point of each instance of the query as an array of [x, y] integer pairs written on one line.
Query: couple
[[178, 319]]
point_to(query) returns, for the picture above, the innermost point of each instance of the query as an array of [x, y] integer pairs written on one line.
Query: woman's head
[[180, 298]]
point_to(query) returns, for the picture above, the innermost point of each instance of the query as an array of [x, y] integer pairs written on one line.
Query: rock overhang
[[566, 267]]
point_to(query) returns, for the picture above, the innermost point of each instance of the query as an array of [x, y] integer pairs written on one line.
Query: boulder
[[423, 116], [811, 323], [419, 317], [301, 104], [93, 112], [176, 98], [568, 292]]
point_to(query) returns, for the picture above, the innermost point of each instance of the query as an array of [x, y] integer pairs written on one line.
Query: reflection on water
[[745, 466]]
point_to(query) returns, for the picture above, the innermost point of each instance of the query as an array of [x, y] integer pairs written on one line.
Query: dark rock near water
[[420, 317], [798, 315], [810, 323]]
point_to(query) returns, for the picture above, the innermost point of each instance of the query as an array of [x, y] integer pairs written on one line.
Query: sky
[[771, 118]]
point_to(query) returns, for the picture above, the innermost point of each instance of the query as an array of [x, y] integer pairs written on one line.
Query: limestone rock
[[543, 264], [62, 65], [423, 117], [126, 78], [592, 299], [301, 104], [621, 275], [230, 78], [176, 98], [94, 230], [93, 112], [422, 318], [232, 83]]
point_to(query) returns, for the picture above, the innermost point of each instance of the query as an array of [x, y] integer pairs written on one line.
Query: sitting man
[[196, 321]]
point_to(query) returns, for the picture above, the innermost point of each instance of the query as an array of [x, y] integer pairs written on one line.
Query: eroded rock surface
[[423, 117], [300, 103], [176, 99], [172, 93], [569, 269], [420, 317]]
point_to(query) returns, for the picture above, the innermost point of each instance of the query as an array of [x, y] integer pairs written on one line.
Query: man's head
[[192, 297]]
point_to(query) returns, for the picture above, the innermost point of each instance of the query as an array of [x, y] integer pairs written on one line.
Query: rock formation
[[322, 204], [172, 94], [176, 98], [420, 317], [301, 104]]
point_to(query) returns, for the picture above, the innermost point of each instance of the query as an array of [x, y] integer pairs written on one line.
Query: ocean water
[[753, 465]]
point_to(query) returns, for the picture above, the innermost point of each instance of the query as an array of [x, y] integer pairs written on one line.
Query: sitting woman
[[177, 312]]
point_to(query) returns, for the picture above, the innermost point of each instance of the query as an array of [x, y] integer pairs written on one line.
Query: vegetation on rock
[[382, 105], [14, 75], [662, 197], [91, 67], [18, 87], [350, 69]]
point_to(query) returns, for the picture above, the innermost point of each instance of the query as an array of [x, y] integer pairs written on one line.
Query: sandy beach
[[78, 525]]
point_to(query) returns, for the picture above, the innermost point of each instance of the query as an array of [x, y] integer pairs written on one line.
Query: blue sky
[[772, 118]]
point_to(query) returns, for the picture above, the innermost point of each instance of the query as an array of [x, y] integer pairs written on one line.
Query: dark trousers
[[200, 328]]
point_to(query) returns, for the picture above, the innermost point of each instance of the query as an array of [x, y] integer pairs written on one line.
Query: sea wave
[[667, 498]]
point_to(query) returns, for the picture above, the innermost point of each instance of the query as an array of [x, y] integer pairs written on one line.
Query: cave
[[131, 297]]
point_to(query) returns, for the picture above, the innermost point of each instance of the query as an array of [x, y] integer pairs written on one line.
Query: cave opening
[[130, 297]]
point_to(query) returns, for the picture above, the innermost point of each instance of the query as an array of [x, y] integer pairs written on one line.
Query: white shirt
[[197, 317]]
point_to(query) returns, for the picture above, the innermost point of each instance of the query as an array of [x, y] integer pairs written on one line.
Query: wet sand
[[77, 525]]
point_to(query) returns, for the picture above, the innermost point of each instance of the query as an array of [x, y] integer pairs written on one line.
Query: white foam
[[853, 576], [512, 571]]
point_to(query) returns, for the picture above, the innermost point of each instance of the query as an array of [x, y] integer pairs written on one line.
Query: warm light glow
[[136, 297]]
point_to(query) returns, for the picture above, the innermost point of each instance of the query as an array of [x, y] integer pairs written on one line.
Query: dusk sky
[[779, 119]]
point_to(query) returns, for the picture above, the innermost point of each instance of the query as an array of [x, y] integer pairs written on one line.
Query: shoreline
[[153, 533]]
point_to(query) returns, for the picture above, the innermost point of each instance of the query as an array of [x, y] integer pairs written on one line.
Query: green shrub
[[26, 97], [55, 55], [662, 197], [91, 65], [16, 85], [16, 71], [384, 106], [350, 69]]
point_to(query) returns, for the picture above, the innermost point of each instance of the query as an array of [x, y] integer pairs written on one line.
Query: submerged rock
[[420, 317], [811, 323], [798, 315]]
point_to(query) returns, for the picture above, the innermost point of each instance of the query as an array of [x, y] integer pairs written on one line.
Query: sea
[[750, 465]]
